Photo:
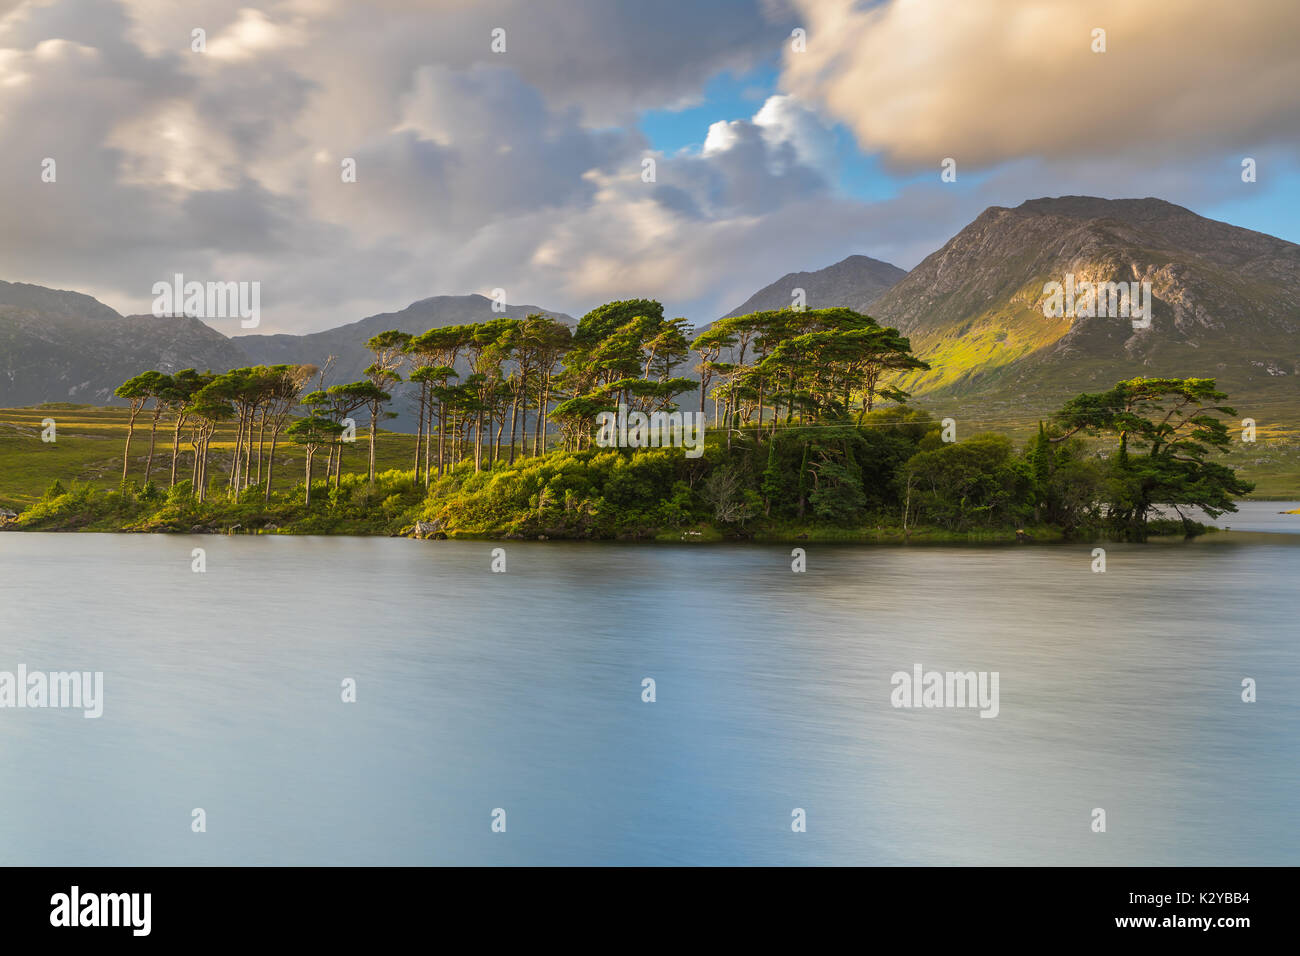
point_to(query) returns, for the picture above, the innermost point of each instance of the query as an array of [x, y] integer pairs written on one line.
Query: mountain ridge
[[347, 343], [1223, 296], [854, 282], [1226, 305]]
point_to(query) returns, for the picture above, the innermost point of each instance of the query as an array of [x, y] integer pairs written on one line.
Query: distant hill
[[82, 350], [347, 343], [1226, 305], [855, 283], [68, 305], [58, 346]]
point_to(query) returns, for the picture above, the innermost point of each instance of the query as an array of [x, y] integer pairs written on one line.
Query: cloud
[[920, 80], [474, 170], [252, 34], [784, 121], [606, 58]]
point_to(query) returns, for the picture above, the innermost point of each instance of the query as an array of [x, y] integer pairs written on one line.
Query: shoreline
[[885, 537]]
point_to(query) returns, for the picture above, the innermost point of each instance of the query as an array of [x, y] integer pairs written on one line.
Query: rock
[[542, 537], [427, 529], [271, 527]]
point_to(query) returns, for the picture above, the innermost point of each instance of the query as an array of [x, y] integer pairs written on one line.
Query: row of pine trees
[[495, 390]]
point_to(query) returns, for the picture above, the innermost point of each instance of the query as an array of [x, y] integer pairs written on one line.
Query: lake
[[522, 691]]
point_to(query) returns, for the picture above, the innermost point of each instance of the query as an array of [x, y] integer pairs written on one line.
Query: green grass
[[90, 439]]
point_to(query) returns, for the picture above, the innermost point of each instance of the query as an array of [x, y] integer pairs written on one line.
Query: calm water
[[523, 691]]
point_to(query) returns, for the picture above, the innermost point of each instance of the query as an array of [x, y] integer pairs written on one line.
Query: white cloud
[[920, 80], [721, 137], [253, 34], [784, 121]]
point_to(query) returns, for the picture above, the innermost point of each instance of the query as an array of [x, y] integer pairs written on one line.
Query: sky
[[503, 144]]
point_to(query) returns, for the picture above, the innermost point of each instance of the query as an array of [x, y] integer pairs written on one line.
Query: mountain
[[59, 346], [1226, 303], [64, 346], [347, 343], [856, 283], [68, 305]]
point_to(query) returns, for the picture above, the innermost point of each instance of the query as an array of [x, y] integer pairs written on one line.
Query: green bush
[[978, 481], [181, 491]]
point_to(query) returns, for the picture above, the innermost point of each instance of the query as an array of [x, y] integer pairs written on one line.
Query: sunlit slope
[[1226, 303]]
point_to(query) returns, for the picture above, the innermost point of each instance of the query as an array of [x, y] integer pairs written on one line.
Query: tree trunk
[[537, 423], [247, 473], [442, 432], [195, 442], [374, 426], [153, 431], [126, 455], [270, 467], [514, 412], [307, 498], [261, 440], [203, 465], [428, 442], [419, 430], [176, 446], [478, 441], [542, 413], [234, 465]]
